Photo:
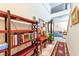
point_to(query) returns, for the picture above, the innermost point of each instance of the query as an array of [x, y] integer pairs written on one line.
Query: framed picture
[[75, 16]]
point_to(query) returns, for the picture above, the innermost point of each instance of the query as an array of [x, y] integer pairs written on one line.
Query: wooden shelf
[[16, 31], [22, 18], [25, 51], [4, 14], [21, 44], [23, 31], [3, 31], [3, 50]]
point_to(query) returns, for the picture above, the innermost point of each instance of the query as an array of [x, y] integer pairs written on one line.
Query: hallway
[[39, 29]]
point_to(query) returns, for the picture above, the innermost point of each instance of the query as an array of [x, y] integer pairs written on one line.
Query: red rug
[[60, 49]]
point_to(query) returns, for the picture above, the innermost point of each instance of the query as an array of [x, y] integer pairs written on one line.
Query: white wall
[[60, 19], [61, 22], [61, 26], [27, 10], [73, 38], [61, 13]]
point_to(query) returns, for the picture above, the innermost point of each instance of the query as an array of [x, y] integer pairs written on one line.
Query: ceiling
[[57, 7], [52, 5], [58, 11]]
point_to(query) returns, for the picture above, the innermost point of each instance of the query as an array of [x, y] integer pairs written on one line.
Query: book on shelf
[[2, 38], [3, 46], [15, 39], [19, 38], [22, 37], [27, 36]]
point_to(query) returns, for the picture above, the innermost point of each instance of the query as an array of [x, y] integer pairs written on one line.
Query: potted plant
[[50, 38]]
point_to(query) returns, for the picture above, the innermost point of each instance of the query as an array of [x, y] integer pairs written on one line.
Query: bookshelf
[[3, 45], [9, 35]]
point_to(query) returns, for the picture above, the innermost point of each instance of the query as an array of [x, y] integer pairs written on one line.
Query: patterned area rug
[[60, 49]]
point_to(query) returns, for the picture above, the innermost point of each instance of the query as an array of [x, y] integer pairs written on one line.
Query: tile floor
[[48, 50]]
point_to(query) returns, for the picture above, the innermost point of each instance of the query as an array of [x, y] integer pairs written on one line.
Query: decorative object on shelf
[[34, 17]]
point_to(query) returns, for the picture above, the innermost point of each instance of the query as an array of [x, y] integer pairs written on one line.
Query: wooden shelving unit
[[25, 52], [21, 44], [8, 16]]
